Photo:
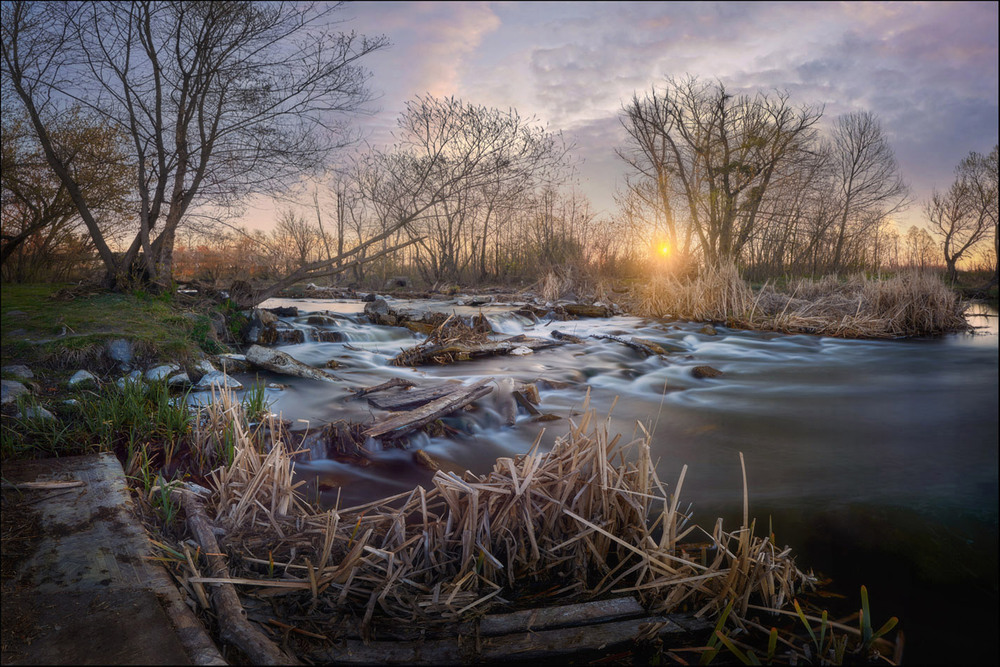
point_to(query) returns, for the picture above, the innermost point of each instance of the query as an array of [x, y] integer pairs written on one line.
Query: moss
[[58, 326]]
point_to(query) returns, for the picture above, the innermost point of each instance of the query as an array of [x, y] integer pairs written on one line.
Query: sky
[[927, 69]]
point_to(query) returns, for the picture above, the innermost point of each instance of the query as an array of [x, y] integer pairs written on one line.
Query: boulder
[[19, 370], [36, 412], [218, 379], [279, 362], [702, 372], [120, 351], [135, 377], [282, 311], [161, 372], [327, 336], [708, 330], [179, 380], [82, 377], [10, 390], [396, 281], [233, 363], [378, 312]]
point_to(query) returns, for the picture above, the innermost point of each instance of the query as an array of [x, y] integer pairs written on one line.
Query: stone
[[702, 372], [521, 351], [284, 311], [218, 379], [318, 318], [135, 377], [233, 363], [119, 350], [19, 370], [36, 412], [179, 380], [205, 366], [378, 312], [82, 377], [10, 390], [327, 336], [708, 330], [161, 372]]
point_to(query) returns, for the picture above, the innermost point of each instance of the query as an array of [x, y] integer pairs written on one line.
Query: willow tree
[[716, 154], [219, 100]]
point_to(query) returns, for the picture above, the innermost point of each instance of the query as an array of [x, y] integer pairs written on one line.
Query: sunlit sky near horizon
[[929, 70]]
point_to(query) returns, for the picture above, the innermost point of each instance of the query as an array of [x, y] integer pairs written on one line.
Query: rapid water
[[876, 461]]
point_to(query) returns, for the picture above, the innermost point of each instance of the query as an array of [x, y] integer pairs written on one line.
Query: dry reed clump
[[584, 520], [908, 304], [715, 294]]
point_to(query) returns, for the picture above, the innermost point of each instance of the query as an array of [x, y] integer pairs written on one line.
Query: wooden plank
[[564, 615], [401, 424], [535, 644], [414, 398]]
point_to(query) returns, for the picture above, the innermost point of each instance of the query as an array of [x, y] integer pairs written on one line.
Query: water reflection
[[873, 458]]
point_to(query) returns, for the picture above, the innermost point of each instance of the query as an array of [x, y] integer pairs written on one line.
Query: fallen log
[[414, 398], [234, 627], [646, 347], [279, 362], [401, 424], [569, 338], [446, 353], [394, 382]]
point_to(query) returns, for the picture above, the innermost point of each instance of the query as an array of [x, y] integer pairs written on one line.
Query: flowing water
[[876, 461]]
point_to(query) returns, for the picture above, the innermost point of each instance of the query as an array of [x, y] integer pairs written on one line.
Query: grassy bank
[[62, 327]]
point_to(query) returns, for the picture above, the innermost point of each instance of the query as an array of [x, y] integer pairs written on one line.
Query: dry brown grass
[[588, 518], [908, 304], [715, 294]]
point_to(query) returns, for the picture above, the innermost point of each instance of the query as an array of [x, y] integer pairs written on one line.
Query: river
[[876, 461]]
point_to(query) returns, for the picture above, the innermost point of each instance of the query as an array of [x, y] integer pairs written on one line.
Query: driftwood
[[415, 398], [401, 424], [523, 401], [648, 348], [279, 362], [569, 338], [234, 627], [449, 352], [394, 382], [522, 635]]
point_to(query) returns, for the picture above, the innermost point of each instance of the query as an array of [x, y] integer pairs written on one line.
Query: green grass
[[55, 327]]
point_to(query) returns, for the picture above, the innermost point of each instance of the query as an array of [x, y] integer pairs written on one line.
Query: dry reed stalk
[[587, 518]]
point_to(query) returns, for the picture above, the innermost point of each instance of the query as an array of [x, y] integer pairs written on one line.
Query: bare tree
[[449, 156], [867, 176], [219, 99], [721, 153], [966, 214]]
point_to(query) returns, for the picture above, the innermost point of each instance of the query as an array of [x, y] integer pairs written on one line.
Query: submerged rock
[[708, 330], [279, 362], [702, 372]]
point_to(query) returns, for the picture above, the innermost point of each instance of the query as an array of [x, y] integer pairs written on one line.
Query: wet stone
[[702, 372]]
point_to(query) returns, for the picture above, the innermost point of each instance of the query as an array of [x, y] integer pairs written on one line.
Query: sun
[[664, 249]]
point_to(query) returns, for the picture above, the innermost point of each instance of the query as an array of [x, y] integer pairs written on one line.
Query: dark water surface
[[876, 461]]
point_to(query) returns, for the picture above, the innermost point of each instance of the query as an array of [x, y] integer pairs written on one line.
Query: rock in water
[[279, 362], [702, 372]]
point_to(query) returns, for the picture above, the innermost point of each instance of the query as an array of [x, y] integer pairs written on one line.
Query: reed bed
[[587, 519], [908, 304]]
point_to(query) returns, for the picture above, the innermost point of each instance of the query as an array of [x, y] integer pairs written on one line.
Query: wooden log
[[517, 646], [401, 424], [569, 338], [635, 344], [394, 382], [414, 398], [234, 627], [523, 401], [457, 351]]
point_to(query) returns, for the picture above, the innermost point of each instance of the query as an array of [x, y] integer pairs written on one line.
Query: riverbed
[[876, 461]]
